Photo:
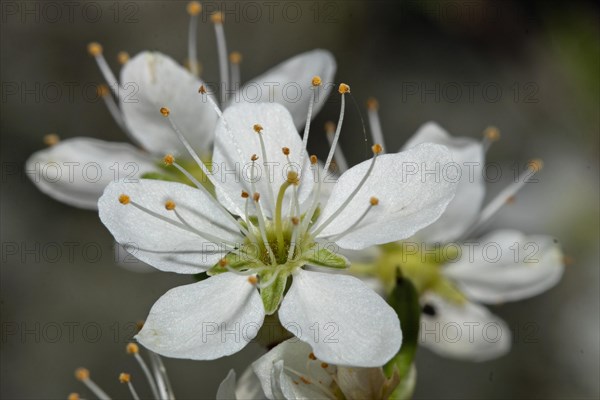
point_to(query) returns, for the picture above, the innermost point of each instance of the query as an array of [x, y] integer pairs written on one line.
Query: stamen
[[258, 129], [377, 149], [133, 349], [161, 377], [200, 233], [235, 58], [126, 378], [316, 194], [343, 89], [217, 19], [374, 121], [170, 205], [73, 396], [83, 375], [262, 228], [253, 280], [95, 50], [122, 57], [112, 106], [193, 9], [373, 201], [292, 179], [338, 156], [505, 196], [124, 199], [51, 139], [315, 83], [490, 135]]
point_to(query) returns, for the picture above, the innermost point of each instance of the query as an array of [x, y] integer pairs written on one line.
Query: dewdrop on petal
[[124, 377], [343, 88], [193, 8], [165, 111], [124, 199], [94, 49]]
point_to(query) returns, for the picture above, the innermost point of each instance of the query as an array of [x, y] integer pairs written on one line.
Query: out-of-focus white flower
[[264, 225]]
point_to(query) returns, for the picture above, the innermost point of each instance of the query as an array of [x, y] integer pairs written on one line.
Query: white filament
[[223, 62], [375, 126]]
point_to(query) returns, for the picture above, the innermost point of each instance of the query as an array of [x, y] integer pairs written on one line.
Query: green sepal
[[322, 257], [235, 261], [404, 299], [200, 277], [272, 294]]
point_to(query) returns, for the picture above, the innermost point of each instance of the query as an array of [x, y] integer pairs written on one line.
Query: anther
[[124, 377], [377, 148], [223, 262], [94, 48], [535, 165], [132, 348], [123, 57], [82, 374], [124, 199], [51, 139], [286, 151], [492, 134], [102, 90], [202, 89], [292, 177], [329, 126], [316, 81], [295, 220], [374, 201], [324, 365], [165, 111], [217, 17], [169, 159], [73, 396], [304, 380], [343, 88], [256, 196], [235, 57], [252, 279], [170, 205], [372, 103], [312, 356], [193, 8], [313, 159], [245, 194], [254, 157], [257, 128]]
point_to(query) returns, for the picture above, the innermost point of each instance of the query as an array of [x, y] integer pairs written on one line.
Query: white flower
[[76, 171], [505, 265], [291, 371], [262, 176]]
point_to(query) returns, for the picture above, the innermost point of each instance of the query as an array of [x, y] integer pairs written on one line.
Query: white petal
[[226, 389], [344, 321], [233, 154], [469, 157], [157, 242], [507, 265], [289, 84], [361, 383], [248, 386], [409, 197], [76, 171], [206, 320], [465, 332], [153, 80], [294, 354]]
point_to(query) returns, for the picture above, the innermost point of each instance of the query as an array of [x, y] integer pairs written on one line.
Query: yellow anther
[[511, 200], [102, 90], [292, 177], [124, 199], [286, 151], [223, 262], [312, 356], [170, 205], [377, 148], [254, 157], [169, 159], [73, 396], [202, 89], [252, 279], [124, 377], [245, 194], [374, 201], [123, 57], [235, 57], [329, 126], [295, 220], [132, 348], [51, 139], [372, 104], [536, 165], [217, 17], [492, 134], [343, 88], [165, 111], [313, 159], [94, 48], [256, 196], [82, 374], [324, 365], [257, 128], [316, 81], [193, 8]]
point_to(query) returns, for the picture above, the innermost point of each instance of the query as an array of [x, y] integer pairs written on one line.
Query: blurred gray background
[[77, 309]]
